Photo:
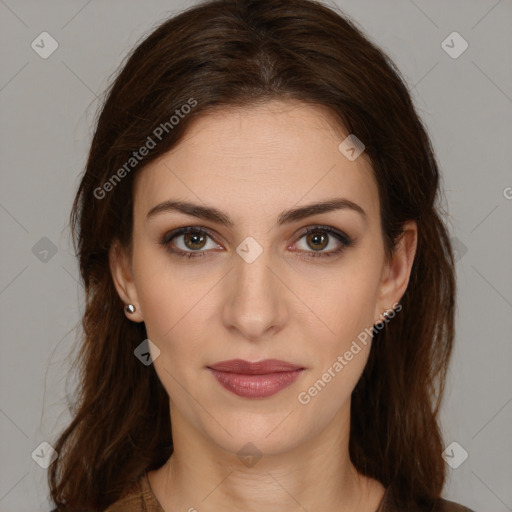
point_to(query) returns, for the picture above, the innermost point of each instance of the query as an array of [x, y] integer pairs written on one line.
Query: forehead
[[278, 154]]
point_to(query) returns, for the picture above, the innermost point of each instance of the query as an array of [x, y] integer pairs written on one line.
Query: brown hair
[[226, 53]]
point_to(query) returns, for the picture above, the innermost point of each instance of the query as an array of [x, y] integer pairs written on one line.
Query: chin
[[258, 434]]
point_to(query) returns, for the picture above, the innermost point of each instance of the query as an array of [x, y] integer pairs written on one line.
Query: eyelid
[[176, 233], [168, 236], [340, 236], [329, 229]]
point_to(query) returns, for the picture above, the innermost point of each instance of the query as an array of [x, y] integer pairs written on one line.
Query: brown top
[[140, 498]]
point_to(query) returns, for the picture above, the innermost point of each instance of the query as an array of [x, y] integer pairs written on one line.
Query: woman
[[270, 285]]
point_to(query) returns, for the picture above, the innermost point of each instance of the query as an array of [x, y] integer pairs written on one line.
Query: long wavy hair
[[225, 53]]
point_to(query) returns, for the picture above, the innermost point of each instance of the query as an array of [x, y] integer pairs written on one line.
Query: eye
[[321, 237], [193, 240]]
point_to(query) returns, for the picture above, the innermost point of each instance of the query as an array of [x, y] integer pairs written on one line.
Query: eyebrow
[[286, 217]]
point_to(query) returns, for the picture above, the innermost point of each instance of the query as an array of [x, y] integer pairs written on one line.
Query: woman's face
[[260, 288]]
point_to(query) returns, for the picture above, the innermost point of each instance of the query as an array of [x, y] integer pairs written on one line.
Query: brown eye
[[190, 242], [317, 240], [194, 240]]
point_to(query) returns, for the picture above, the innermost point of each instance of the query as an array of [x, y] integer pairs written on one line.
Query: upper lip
[[257, 368]]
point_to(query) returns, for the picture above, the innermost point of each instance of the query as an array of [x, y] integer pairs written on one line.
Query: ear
[[122, 275], [397, 271]]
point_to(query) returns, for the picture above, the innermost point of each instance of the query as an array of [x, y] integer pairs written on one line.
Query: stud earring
[[129, 308], [388, 314]]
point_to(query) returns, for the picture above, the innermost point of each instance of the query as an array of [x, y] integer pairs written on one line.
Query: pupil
[[317, 239], [196, 239]]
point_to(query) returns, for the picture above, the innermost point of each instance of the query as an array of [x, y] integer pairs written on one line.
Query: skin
[[253, 163]]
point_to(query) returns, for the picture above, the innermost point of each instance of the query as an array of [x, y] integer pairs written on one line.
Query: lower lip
[[256, 386]]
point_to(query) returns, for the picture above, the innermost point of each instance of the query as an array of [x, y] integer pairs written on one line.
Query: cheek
[[173, 300], [344, 299], [341, 353], [158, 292], [353, 308], [347, 309], [345, 349]]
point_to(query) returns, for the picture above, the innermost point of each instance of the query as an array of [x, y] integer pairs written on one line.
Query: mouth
[[255, 380]]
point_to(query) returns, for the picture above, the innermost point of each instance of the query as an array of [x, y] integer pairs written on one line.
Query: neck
[[316, 475]]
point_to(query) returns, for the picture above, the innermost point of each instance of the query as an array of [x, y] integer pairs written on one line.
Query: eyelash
[[339, 235]]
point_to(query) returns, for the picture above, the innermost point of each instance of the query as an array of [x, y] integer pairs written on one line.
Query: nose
[[256, 303]]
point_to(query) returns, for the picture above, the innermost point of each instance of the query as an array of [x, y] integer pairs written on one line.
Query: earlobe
[[398, 270], [122, 277]]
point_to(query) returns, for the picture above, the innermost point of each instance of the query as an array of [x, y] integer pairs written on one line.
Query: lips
[[255, 380], [257, 368]]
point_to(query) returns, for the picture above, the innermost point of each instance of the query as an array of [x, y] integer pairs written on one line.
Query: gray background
[[47, 112]]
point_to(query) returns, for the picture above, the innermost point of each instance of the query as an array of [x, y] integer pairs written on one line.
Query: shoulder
[[450, 506], [138, 498], [132, 501], [390, 503]]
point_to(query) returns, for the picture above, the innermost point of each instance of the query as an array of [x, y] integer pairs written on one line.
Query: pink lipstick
[[255, 380]]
